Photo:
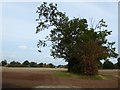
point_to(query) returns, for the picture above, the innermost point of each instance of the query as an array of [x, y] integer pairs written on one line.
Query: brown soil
[[36, 77]]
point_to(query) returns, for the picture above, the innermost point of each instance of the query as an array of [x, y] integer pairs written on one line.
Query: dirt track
[[36, 77]]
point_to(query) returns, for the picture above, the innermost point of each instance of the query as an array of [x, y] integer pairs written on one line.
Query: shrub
[[108, 65]]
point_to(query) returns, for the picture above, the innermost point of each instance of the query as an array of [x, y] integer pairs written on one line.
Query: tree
[[40, 64], [108, 65], [62, 66], [14, 64], [73, 40], [50, 65], [26, 63], [44, 65], [4, 62], [118, 63], [33, 64]]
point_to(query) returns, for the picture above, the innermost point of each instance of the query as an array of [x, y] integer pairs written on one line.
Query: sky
[[18, 27]]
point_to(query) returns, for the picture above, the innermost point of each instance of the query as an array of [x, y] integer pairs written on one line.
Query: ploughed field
[[56, 78]]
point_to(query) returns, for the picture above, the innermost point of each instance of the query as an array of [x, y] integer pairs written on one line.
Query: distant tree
[[44, 65], [26, 63], [66, 66], [60, 66], [73, 40], [14, 64], [118, 63], [108, 65], [100, 65], [33, 64], [4, 62], [40, 64], [50, 65]]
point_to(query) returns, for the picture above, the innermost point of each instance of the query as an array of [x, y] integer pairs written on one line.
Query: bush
[[33, 64], [51, 65], [40, 65], [118, 64], [26, 63], [108, 65], [14, 64], [4, 63]]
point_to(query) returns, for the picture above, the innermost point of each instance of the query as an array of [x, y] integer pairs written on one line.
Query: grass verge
[[71, 75]]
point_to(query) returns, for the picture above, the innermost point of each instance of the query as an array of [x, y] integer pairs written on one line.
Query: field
[[56, 78]]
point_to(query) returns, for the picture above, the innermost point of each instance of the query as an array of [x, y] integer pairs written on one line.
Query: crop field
[[56, 78]]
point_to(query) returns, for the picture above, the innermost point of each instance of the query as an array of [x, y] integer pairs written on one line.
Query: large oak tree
[[80, 45]]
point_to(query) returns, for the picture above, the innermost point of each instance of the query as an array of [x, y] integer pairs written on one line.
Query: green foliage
[[99, 77], [69, 75], [118, 64], [4, 62], [65, 74], [33, 64], [26, 63], [50, 65], [100, 65], [14, 64], [108, 65], [62, 66], [73, 40], [40, 65]]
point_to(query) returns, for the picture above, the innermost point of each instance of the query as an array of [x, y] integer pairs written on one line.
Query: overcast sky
[[18, 27]]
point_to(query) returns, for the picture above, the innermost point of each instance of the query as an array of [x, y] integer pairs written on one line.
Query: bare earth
[[44, 78]]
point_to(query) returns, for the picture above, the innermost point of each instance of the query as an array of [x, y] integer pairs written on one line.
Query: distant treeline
[[106, 65], [26, 63]]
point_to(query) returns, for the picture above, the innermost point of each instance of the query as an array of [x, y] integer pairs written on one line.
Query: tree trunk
[[86, 66], [74, 66], [90, 67]]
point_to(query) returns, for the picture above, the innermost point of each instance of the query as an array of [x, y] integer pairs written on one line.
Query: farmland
[[56, 77]]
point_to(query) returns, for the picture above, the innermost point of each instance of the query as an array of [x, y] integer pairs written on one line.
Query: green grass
[[99, 77], [69, 75], [65, 74]]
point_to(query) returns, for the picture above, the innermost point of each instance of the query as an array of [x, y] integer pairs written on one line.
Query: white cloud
[[22, 47]]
